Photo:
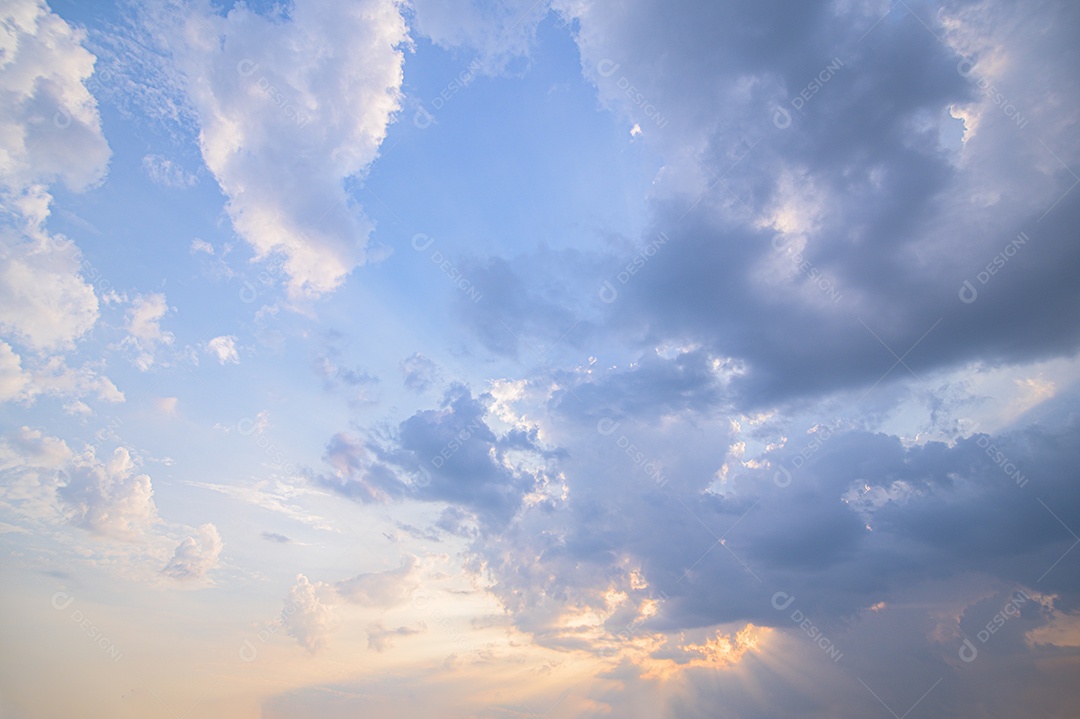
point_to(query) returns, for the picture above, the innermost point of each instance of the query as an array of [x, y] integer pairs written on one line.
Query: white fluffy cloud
[[284, 122], [44, 302], [224, 349], [32, 448], [49, 124], [195, 555], [306, 617], [144, 327], [109, 498], [49, 132], [14, 383]]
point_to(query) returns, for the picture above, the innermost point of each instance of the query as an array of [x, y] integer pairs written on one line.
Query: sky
[[539, 358]]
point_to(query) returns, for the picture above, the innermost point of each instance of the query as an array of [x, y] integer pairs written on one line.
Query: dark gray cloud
[[833, 175], [887, 212], [449, 455]]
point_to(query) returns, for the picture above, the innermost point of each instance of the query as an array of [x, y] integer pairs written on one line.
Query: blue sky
[[566, 359]]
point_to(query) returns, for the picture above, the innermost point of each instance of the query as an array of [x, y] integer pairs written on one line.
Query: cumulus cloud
[[33, 464], [306, 617], [49, 132], [51, 127], [14, 383], [33, 448], [144, 328], [195, 555], [282, 123], [45, 303], [109, 498], [224, 349]]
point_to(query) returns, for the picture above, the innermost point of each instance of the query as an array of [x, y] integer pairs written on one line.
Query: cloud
[[198, 245], [165, 172], [379, 637], [355, 384], [33, 448], [52, 376], [283, 124], [167, 405], [45, 303], [279, 497], [447, 455], [355, 475], [306, 618], [14, 383], [419, 371], [781, 277], [381, 589], [144, 328], [773, 254], [195, 555], [224, 349], [109, 498], [498, 32], [51, 127], [33, 464], [49, 132], [144, 318]]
